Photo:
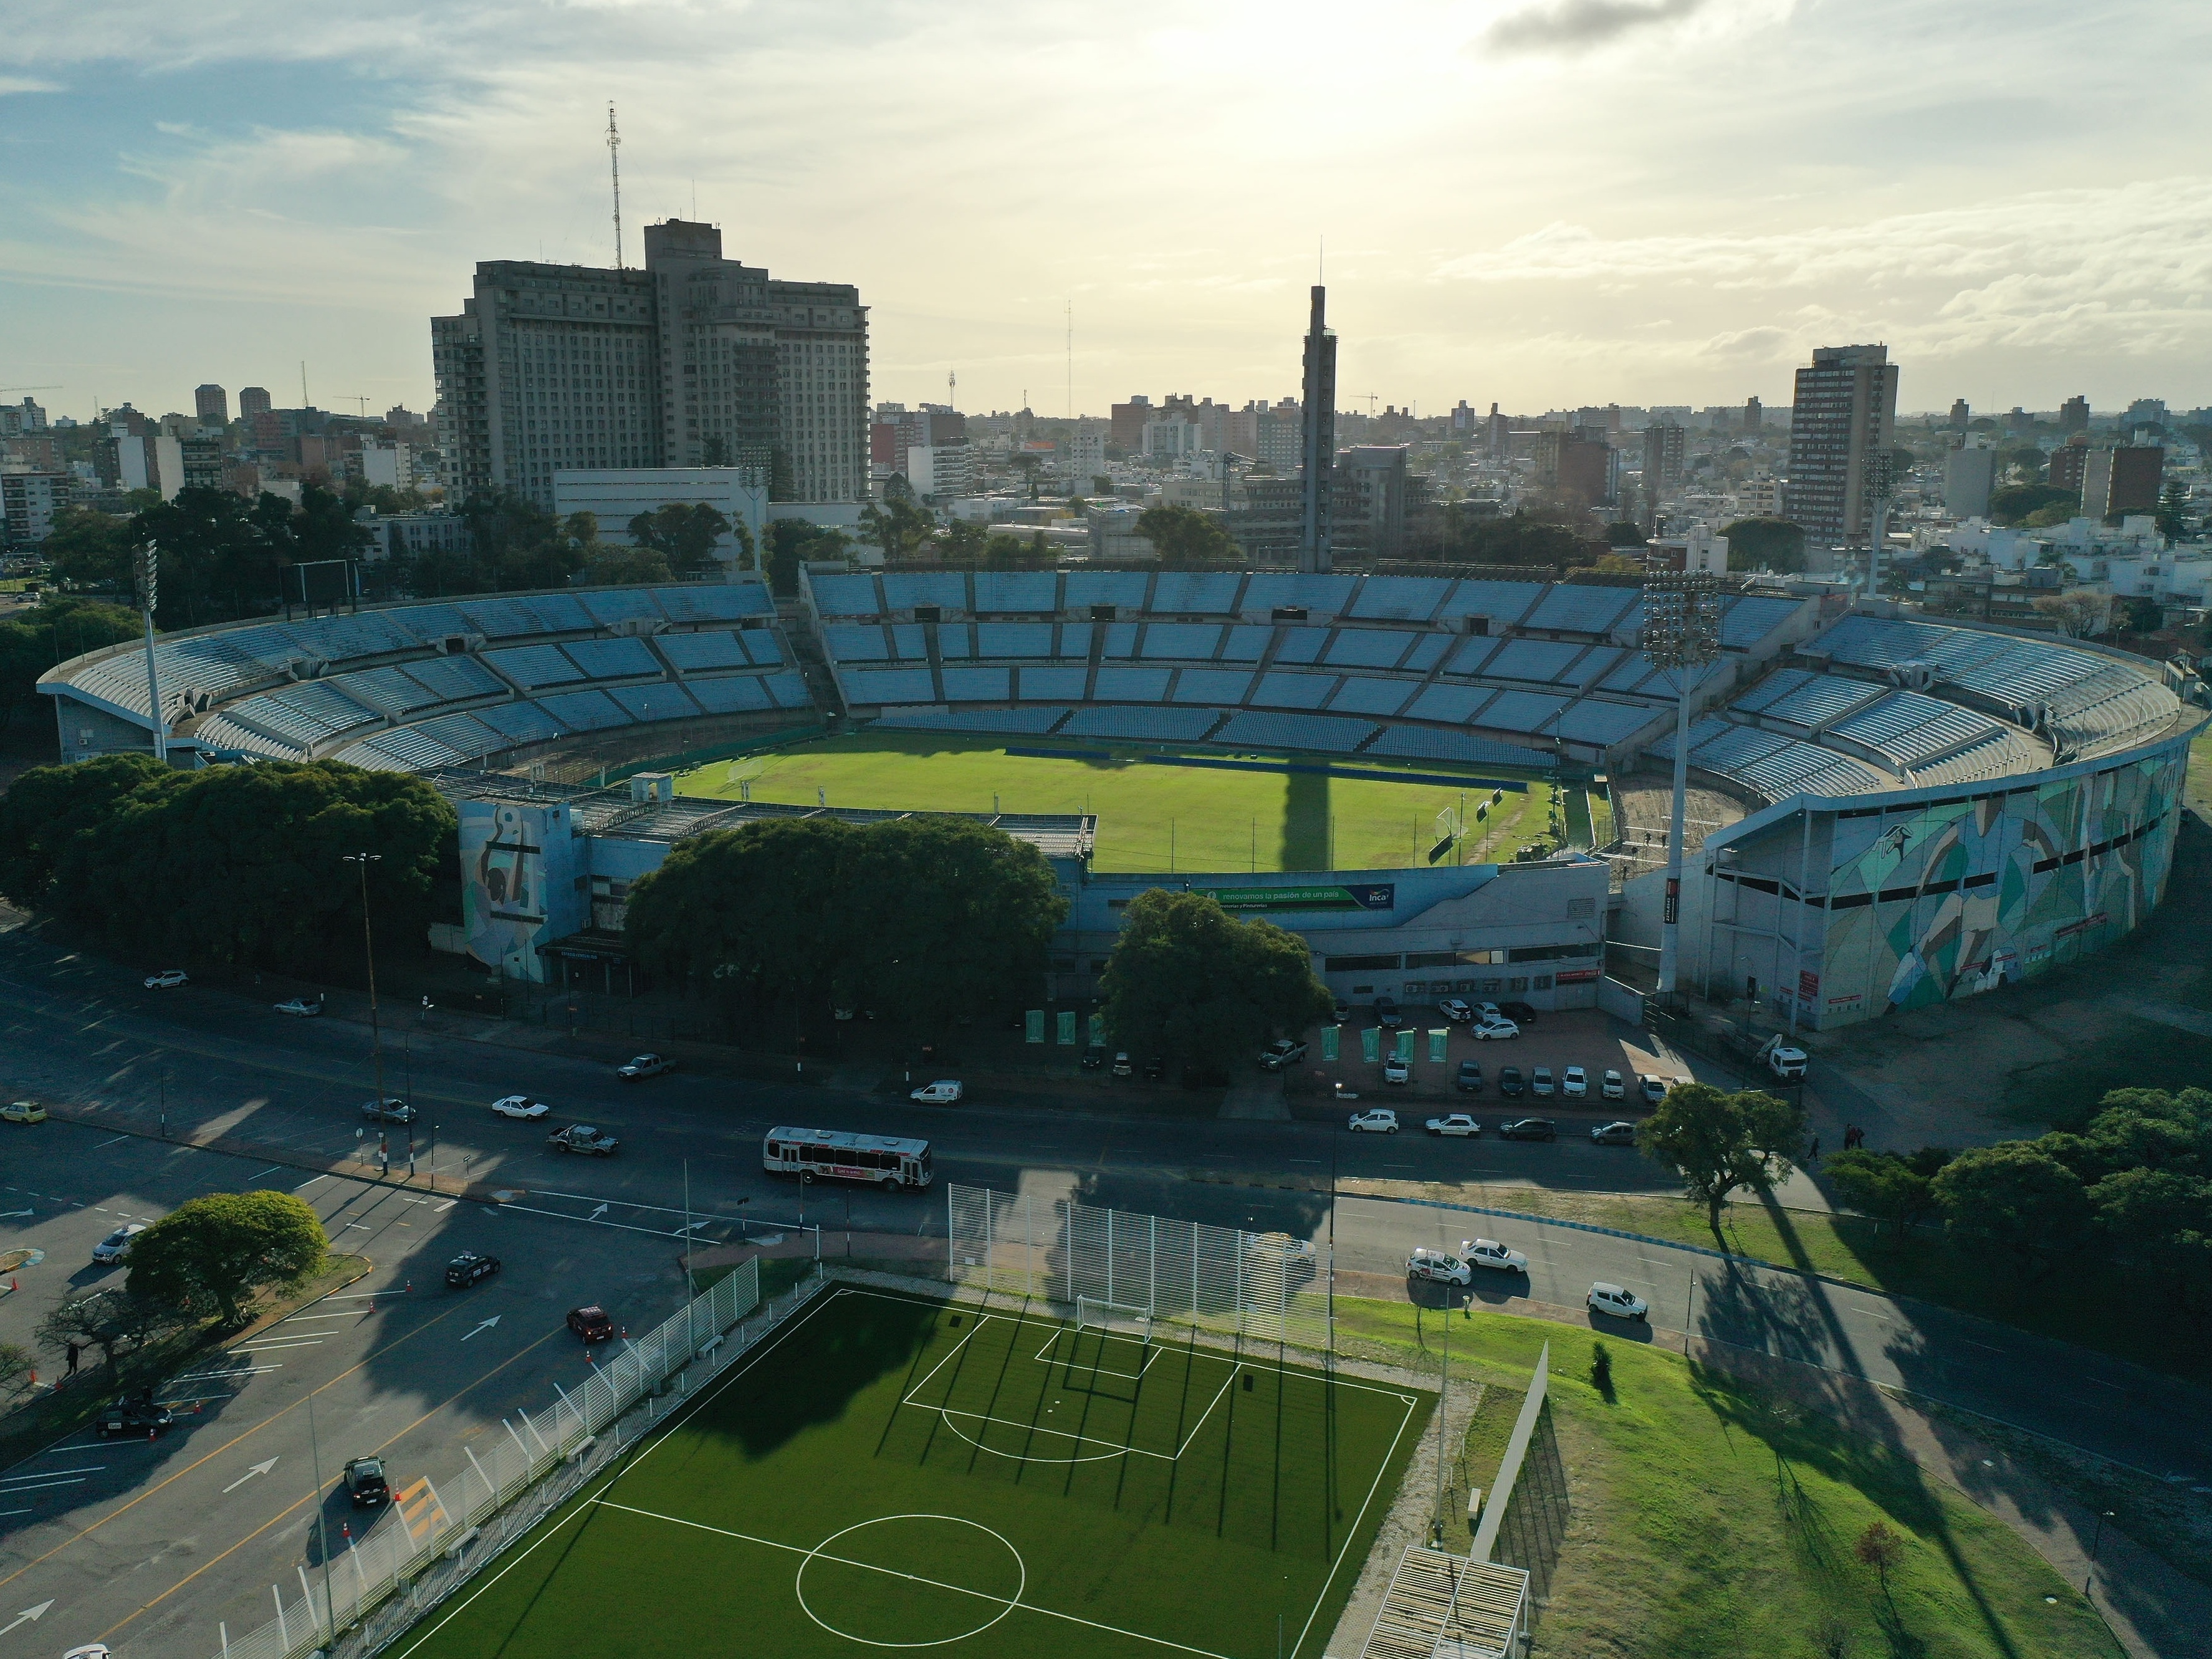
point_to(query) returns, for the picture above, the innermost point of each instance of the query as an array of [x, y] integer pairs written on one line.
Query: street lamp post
[[1681, 632], [362, 860], [2103, 1515]]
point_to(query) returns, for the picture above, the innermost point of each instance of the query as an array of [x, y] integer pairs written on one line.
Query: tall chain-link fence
[[438, 1534], [1263, 1287]]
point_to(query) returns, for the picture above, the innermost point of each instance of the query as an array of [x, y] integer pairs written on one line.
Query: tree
[[2017, 1198], [1881, 1549], [15, 1363], [86, 548], [216, 565], [211, 1253], [896, 525], [1776, 545], [1719, 1142], [2162, 1218], [513, 542], [106, 1320], [1184, 536], [2174, 509], [2010, 503], [1624, 534], [611, 566], [687, 534], [1889, 1186], [2137, 615], [793, 542], [748, 910], [50, 806], [1189, 983], [241, 865], [2078, 613]]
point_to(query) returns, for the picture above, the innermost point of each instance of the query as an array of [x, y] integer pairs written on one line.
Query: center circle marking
[[1007, 1605]]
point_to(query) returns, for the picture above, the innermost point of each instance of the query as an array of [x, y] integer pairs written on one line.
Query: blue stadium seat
[[888, 685], [1321, 732], [613, 659], [1400, 599], [692, 653], [1181, 641], [1132, 685], [1427, 743], [1035, 592], [1195, 592], [1575, 608], [995, 640], [1214, 685], [1323, 598], [1053, 684], [1032, 722], [846, 596], [1367, 648], [978, 685], [1279, 690], [1142, 725]]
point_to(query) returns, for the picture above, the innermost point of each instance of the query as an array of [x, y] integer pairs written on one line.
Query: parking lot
[[1584, 1037]]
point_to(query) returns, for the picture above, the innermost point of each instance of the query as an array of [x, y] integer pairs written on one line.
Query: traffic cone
[[150, 1434]]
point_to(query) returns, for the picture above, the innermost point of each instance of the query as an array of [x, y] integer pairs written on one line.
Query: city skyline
[[215, 204]]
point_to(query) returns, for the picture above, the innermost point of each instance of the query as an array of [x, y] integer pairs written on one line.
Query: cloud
[[10, 83], [1579, 25]]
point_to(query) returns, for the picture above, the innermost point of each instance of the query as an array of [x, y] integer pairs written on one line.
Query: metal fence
[[437, 1534], [1263, 1287]]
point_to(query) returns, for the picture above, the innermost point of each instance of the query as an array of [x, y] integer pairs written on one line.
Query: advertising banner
[[1403, 1047], [1033, 1024], [1332, 1041], [1370, 896], [1438, 1037], [1068, 1027], [1371, 1043]]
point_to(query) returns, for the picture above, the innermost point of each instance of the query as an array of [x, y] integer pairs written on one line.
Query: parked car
[[1486, 1011], [1155, 1069], [1281, 1052], [1454, 1011], [1439, 1264], [390, 1110], [1494, 1030], [165, 979], [1489, 1253], [1511, 1082], [1094, 1057], [1574, 1082], [1540, 1080], [644, 1066], [1655, 1089], [113, 1249], [1529, 1128], [1397, 1069], [1613, 1134], [1123, 1066], [521, 1106], [1520, 1013], [1611, 1086], [1457, 1124], [138, 1417], [583, 1137], [1375, 1120], [946, 1091], [303, 1007], [23, 1111], [365, 1484], [469, 1268], [1339, 1011], [1387, 1015], [592, 1323], [1621, 1303], [1469, 1078]]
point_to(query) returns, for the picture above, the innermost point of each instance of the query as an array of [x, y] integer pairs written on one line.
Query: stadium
[[1424, 776]]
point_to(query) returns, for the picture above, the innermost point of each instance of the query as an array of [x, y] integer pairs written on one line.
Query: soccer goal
[[1113, 1319]]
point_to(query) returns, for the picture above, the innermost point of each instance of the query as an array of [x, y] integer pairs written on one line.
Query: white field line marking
[[980, 1320], [1353, 1531], [1152, 1352], [912, 1578]]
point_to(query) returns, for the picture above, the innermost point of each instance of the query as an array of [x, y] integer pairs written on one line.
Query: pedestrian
[[74, 1352], [1815, 1156]]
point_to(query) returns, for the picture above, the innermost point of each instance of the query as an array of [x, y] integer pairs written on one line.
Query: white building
[[28, 501], [1760, 497], [615, 496], [1171, 438], [1697, 549], [1082, 458], [1969, 474], [390, 464], [942, 471]]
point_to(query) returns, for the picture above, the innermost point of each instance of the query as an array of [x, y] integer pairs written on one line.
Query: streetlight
[[1681, 631], [369, 945], [2103, 1515]]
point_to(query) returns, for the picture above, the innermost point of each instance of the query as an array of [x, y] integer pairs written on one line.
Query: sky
[[1541, 202]]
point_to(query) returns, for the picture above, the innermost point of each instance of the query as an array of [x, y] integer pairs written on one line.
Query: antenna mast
[[1070, 359], [614, 167], [951, 388]]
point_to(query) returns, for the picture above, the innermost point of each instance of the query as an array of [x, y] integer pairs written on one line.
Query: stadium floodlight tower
[[1682, 634], [147, 572]]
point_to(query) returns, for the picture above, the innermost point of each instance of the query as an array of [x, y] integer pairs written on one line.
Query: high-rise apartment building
[[1317, 437], [212, 404], [1841, 423], [2123, 478], [1754, 415], [1961, 415], [253, 400], [1663, 458], [1969, 474], [2073, 414], [694, 360]]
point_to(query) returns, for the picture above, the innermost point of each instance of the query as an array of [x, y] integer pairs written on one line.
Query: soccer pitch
[[892, 1471], [1156, 816]]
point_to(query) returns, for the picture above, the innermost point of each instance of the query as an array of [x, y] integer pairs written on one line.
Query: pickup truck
[[583, 1137]]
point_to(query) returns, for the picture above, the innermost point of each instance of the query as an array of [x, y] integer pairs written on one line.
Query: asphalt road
[[149, 1545]]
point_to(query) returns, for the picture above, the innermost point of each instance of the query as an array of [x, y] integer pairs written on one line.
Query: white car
[[1375, 1120], [302, 1007], [1453, 1123], [1489, 1253], [1574, 1082], [946, 1091], [1655, 1089], [1494, 1030], [1620, 1303], [1540, 1081], [644, 1066], [1440, 1264], [165, 978], [1612, 1087], [1397, 1069], [1456, 1011], [110, 1249], [520, 1106]]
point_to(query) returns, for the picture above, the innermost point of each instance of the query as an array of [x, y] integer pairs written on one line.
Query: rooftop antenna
[[1070, 359], [614, 167], [951, 387], [304, 403]]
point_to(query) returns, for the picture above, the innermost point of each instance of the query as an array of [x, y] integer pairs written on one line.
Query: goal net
[[1113, 1319]]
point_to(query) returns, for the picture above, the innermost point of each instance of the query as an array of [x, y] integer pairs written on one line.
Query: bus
[[833, 1155]]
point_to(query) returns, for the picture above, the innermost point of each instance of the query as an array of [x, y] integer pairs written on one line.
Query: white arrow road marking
[[594, 1215], [258, 1468], [6, 1215], [486, 1326], [28, 1616]]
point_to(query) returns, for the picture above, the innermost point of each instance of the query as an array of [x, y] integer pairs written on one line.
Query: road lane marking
[[17, 1491], [258, 1174], [82, 1469], [310, 1181], [111, 1143]]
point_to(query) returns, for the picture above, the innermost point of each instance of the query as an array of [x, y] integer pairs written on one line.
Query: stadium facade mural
[[519, 865]]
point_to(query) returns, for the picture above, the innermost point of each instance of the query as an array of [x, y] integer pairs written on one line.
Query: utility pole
[[614, 167], [368, 944]]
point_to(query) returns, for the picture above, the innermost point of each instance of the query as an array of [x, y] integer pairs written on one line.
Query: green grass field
[[1153, 817], [893, 1470]]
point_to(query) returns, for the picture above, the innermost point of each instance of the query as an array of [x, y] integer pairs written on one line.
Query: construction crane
[[55, 387]]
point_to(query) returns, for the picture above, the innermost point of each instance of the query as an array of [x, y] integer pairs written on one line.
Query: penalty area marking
[[1045, 1355]]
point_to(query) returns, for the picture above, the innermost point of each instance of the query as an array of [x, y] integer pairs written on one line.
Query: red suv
[[592, 1323]]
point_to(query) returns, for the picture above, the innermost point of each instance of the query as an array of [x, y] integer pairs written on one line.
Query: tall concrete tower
[[1317, 436]]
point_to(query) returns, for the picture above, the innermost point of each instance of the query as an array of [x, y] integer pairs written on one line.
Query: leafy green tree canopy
[[49, 807], [210, 1254], [1776, 545], [686, 533], [1718, 1142], [1185, 536], [1892, 1187], [2018, 1198], [89, 549], [2012, 503], [1189, 983], [793, 542]]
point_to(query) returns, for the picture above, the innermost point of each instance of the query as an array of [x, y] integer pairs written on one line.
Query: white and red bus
[[885, 1161]]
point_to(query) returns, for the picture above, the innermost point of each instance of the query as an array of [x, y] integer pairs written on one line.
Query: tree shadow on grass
[[819, 1368]]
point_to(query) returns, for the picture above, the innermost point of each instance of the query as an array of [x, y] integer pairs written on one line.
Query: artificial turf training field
[[1154, 815], [894, 1471]]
